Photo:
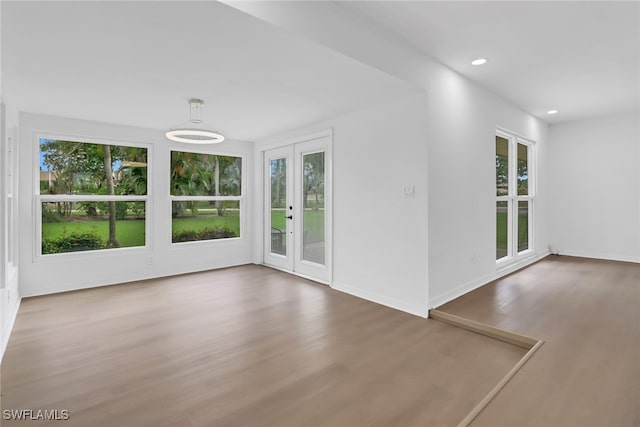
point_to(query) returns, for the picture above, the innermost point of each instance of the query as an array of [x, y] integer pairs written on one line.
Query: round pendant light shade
[[193, 132], [194, 136]]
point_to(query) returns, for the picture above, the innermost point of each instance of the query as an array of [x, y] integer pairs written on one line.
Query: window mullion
[[204, 198], [514, 227], [90, 198], [512, 169], [513, 205]]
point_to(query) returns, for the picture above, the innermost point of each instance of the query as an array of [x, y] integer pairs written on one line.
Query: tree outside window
[[92, 196]]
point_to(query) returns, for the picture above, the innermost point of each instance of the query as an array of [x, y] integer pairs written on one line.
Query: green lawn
[[230, 220], [313, 223], [501, 235], [129, 232], [132, 232]]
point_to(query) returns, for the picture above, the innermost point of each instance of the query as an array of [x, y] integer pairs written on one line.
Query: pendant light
[[193, 131]]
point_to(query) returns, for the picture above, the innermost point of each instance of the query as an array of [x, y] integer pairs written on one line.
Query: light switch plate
[[408, 192]]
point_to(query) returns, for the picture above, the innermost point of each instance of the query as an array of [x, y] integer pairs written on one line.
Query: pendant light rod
[[196, 110]]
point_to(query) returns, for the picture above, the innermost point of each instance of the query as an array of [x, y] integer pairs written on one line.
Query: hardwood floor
[[245, 346], [587, 373], [250, 346]]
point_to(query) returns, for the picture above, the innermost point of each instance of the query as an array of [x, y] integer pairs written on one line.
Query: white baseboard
[[599, 255], [475, 284], [31, 290], [7, 326], [416, 310]]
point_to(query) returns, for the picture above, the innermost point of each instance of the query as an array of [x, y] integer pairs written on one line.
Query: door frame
[[263, 222]]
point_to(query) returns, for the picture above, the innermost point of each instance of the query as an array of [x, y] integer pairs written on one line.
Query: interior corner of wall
[[8, 314]]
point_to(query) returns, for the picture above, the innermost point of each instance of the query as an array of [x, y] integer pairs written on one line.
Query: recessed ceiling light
[[478, 61], [552, 112]]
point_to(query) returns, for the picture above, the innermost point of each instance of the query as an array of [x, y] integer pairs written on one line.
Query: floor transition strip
[[528, 343]]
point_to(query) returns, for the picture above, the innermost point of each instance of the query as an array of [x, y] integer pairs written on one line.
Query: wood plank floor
[[588, 371], [245, 346]]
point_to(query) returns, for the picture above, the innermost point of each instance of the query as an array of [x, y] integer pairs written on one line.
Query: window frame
[[39, 198], [11, 210], [513, 198], [240, 199]]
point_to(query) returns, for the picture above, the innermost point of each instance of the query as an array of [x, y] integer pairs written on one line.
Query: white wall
[[9, 295], [462, 219], [453, 212], [595, 187], [47, 274], [379, 236], [461, 120]]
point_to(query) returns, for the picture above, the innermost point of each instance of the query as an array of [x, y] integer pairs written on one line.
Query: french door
[[297, 210]]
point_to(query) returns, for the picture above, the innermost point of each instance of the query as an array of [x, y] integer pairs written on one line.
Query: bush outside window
[[206, 196], [92, 196]]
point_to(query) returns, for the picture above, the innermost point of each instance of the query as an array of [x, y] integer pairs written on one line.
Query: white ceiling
[[582, 58], [137, 63]]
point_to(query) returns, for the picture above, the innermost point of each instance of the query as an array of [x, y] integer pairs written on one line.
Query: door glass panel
[[313, 244], [523, 170], [523, 226], [502, 166], [502, 220], [278, 175]]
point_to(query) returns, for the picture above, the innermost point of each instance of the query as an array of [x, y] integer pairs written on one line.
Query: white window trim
[[240, 199], [38, 256], [11, 209], [513, 256]]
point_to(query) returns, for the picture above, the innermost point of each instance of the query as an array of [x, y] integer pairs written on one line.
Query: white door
[[278, 235], [297, 208]]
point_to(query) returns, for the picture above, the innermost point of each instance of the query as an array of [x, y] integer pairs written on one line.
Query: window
[[514, 196], [92, 196], [206, 196]]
